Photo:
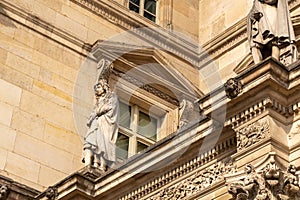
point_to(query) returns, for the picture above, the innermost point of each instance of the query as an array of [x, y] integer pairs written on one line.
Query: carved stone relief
[[197, 182], [268, 183], [232, 88], [51, 193], [186, 109], [4, 191], [252, 134]]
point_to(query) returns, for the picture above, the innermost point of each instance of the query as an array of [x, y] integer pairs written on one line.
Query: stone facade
[[219, 113]]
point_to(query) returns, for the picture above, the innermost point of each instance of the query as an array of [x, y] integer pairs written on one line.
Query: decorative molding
[[233, 88], [197, 182], [257, 108], [164, 39], [271, 182], [4, 192], [146, 87], [252, 134], [144, 29], [189, 167]]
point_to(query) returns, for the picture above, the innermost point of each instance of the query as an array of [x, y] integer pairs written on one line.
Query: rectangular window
[[150, 9], [147, 126], [134, 5], [146, 8], [122, 146], [137, 130], [124, 115]]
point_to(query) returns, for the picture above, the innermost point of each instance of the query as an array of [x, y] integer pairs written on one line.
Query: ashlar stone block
[[10, 93]]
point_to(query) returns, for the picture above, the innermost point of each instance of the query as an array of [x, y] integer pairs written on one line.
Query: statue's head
[[101, 87]]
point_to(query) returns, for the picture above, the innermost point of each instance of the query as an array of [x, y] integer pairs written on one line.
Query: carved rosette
[[233, 88], [269, 183], [252, 134], [4, 192], [197, 182]]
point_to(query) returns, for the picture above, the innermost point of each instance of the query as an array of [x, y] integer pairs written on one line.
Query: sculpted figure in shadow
[[269, 28]]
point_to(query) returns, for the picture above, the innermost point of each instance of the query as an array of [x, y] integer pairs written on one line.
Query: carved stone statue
[[99, 142], [269, 28]]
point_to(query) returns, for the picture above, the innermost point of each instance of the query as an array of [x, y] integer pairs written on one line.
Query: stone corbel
[[266, 180]]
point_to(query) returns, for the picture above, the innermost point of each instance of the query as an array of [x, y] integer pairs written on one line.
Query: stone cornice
[[142, 28], [156, 35], [16, 190], [197, 165]]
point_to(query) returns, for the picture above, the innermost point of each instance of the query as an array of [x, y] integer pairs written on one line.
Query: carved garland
[[252, 134], [198, 182]]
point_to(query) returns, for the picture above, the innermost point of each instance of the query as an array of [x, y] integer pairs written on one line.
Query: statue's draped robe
[[274, 24], [102, 134]]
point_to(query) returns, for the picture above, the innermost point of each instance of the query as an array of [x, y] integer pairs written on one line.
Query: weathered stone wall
[[39, 143]]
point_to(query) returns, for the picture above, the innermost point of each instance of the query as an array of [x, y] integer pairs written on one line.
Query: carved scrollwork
[[232, 88], [252, 134], [4, 192], [269, 183], [186, 109], [197, 182]]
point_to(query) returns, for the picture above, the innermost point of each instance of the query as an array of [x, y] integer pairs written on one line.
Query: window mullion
[[142, 5]]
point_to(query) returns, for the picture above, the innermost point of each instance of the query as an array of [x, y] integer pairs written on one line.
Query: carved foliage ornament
[[269, 183], [232, 88], [199, 181], [252, 134]]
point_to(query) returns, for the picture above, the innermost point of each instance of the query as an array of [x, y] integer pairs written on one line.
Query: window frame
[[142, 9], [132, 131]]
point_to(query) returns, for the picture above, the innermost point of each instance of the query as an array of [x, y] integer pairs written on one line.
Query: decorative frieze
[[252, 134], [197, 182], [146, 87], [270, 182], [198, 178], [256, 109]]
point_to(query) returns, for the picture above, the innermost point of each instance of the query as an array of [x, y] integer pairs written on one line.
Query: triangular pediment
[[149, 66]]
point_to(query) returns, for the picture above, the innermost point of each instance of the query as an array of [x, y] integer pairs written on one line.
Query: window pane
[[147, 126], [124, 115], [150, 5], [141, 147], [134, 5], [149, 16], [122, 146]]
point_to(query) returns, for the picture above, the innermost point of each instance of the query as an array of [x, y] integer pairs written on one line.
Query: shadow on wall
[[5, 21]]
